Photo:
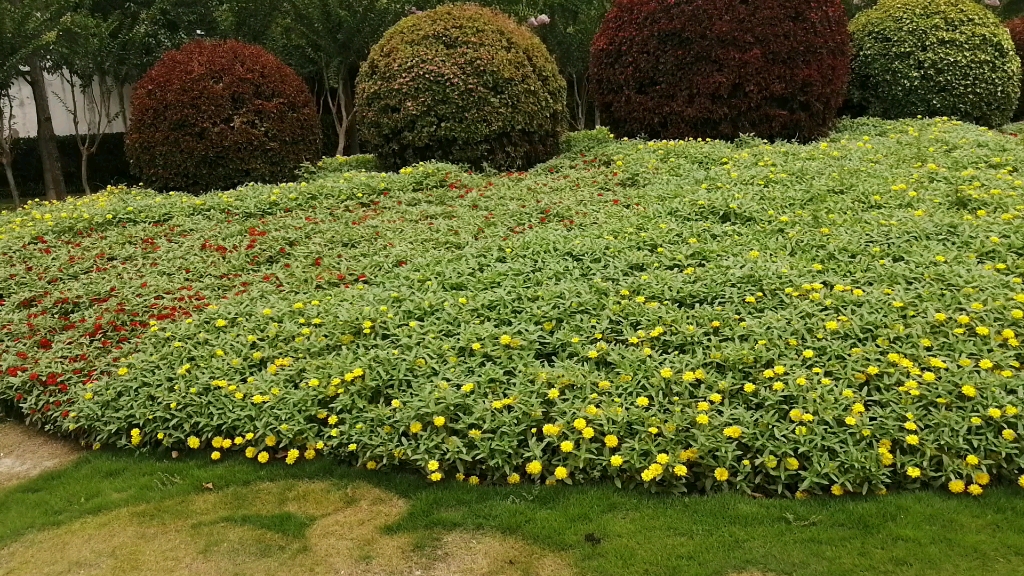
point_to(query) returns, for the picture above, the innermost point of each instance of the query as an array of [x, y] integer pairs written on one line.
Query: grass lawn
[[903, 533]]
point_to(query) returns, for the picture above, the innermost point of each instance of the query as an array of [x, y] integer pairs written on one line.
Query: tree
[[32, 26], [568, 29], [17, 42], [328, 40], [81, 57]]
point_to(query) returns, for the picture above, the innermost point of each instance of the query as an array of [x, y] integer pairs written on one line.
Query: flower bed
[[688, 316]]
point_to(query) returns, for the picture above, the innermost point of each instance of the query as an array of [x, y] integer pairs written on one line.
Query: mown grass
[[604, 530]]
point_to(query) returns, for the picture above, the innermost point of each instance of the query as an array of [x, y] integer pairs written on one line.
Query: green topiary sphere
[[934, 58], [461, 84]]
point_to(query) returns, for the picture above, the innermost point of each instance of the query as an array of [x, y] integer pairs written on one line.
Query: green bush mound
[[843, 316], [461, 84], [934, 58]]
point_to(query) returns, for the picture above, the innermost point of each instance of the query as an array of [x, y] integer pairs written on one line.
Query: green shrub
[[461, 84], [934, 58]]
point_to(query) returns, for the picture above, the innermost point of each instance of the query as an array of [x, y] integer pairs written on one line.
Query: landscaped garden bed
[[836, 317]]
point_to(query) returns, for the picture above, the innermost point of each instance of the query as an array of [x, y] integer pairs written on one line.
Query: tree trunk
[[123, 106], [11, 183], [85, 172], [53, 179]]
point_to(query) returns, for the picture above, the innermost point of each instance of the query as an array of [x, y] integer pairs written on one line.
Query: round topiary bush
[[214, 115], [462, 84], [1016, 28], [934, 58], [776, 69]]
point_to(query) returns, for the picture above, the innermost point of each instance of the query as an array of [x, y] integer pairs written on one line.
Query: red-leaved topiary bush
[[777, 69], [214, 115], [1016, 27]]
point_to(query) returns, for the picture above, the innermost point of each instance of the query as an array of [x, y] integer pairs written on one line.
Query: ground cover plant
[[688, 316]]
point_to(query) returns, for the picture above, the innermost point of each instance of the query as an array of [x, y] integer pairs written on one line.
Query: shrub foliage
[[1016, 28], [462, 84], [214, 115], [934, 58], [721, 68]]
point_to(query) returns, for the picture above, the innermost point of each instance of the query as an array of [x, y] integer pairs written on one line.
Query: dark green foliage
[[108, 166], [934, 58], [462, 84]]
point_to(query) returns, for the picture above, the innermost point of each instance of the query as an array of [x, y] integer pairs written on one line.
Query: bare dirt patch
[[25, 452], [269, 529]]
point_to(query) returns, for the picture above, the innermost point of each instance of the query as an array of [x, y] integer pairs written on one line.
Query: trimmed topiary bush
[[934, 58], [461, 84], [214, 115], [1016, 28], [721, 68]]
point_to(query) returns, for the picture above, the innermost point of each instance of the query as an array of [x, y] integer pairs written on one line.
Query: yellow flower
[[551, 429], [982, 478], [703, 419], [969, 391], [439, 421], [642, 401], [263, 457], [122, 371], [975, 490], [436, 477], [913, 440], [505, 339], [534, 468], [956, 486], [553, 394], [415, 427], [666, 373], [611, 441], [1020, 481], [271, 440], [796, 415], [433, 465], [808, 354], [749, 388], [733, 432], [914, 472], [995, 412], [513, 478], [792, 463], [615, 461], [215, 456], [972, 460], [193, 442], [293, 455], [579, 423], [561, 473], [250, 452], [721, 474], [566, 446], [679, 470], [837, 490], [1009, 435]]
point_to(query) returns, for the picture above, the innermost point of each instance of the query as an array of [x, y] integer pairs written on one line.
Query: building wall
[[57, 89]]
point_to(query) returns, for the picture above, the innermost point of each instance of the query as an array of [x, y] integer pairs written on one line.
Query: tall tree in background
[[327, 40], [81, 57], [567, 28], [19, 38], [41, 18]]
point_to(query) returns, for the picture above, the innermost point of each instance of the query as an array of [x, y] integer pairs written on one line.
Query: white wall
[[25, 109]]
